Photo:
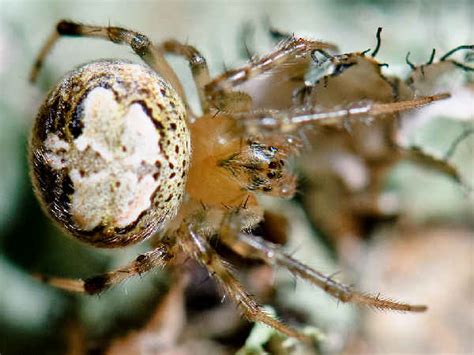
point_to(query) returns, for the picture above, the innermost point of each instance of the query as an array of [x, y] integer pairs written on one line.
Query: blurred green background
[[33, 317]]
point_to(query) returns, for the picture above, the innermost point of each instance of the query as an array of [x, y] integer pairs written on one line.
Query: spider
[[117, 156]]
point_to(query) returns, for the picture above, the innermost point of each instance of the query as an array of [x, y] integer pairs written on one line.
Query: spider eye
[[110, 152]]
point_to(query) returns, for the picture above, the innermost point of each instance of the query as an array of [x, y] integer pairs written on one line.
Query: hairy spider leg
[[254, 247], [287, 121], [140, 44], [197, 246], [156, 258], [198, 66], [428, 161], [220, 88]]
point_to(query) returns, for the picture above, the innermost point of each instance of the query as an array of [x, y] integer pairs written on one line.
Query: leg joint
[[68, 28], [197, 60], [140, 44], [96, 284]]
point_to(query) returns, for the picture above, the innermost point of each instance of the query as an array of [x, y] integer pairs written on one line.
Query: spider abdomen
[[110, 152]]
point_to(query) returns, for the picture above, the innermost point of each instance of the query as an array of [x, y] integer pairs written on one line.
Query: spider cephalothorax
[[117, 156]]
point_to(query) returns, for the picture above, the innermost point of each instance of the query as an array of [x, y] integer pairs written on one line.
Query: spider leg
[[198, 66], [140, 44], [421, 158], [288, 50], [288, 120], [251, 246], [145, 262], [197, 246]]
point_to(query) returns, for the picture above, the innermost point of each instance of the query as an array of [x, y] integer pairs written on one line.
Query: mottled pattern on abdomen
[[110, 152]]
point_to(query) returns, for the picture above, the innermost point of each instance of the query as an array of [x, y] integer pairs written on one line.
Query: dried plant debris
[[345, 161]]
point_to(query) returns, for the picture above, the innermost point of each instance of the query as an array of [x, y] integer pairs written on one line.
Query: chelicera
[[118, 156]]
